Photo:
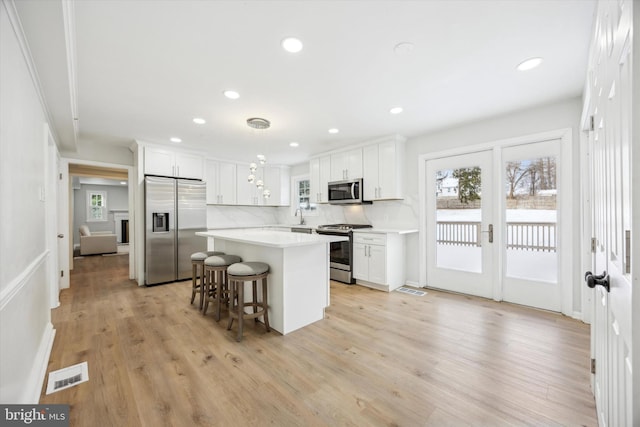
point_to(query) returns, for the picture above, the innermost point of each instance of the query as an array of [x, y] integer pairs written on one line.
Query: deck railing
[[458, 233], [527, 236], [532, 236]]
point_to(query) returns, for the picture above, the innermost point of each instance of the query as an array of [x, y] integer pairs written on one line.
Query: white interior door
[[460, 209], [65, 238], [609, 109], [51, 203], [530, 224]]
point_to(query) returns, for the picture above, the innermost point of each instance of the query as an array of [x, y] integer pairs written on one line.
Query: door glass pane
[[458, 217], [531, 227]]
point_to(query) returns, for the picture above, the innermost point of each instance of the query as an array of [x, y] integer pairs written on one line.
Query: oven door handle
[[353, 191]]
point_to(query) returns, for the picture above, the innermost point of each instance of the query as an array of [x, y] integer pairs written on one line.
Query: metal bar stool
[[197, 270], [216, 283], [237, 275]]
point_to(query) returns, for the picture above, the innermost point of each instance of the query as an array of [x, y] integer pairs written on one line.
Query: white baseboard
[[578, 316], [413, 284], [33, 388]]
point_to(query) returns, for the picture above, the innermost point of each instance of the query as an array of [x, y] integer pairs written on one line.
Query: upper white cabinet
[[221, 182], [275, 179], [346, 165], [246, 192], [163, 162], [319, 176], [383, 171]]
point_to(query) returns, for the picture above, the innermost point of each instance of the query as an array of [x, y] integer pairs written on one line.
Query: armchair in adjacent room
[[98, 242]]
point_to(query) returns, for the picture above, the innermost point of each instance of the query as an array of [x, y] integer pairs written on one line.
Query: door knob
[[602, 280], [490, 231], [60, 236]]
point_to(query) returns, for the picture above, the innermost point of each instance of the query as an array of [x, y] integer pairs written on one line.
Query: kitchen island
[[298, 283]]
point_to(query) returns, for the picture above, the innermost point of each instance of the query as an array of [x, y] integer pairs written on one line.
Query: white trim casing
[[134, 193]]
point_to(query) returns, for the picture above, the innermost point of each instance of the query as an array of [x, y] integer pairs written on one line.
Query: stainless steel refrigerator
[[174, 210]]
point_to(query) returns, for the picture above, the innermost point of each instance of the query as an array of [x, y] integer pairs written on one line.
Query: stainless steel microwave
[[348, 192]]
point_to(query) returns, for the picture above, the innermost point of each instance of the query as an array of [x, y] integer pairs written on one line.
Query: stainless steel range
[[341, 253]]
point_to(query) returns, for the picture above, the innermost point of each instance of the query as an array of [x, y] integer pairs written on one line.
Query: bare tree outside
[[530, 176], [515, 173]]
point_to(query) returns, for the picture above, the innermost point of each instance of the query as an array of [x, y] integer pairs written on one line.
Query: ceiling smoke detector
[[258, 123]]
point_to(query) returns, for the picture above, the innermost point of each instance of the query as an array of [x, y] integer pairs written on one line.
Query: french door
[[492, 223], [530, 225], [460, 211]]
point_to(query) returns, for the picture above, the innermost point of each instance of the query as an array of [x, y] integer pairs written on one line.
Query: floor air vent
[[68, 377], [411, 291]]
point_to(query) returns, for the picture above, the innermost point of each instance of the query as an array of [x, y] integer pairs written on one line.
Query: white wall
[[106, 152], [26, 332]]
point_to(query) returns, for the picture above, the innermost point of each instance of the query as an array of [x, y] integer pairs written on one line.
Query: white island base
[[298, 282]]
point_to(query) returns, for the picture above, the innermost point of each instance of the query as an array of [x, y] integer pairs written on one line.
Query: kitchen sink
[[306, 230]]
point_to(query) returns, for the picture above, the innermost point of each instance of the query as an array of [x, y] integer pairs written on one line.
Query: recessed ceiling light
[[174, 139], [199, 120], [292, 44], [293, 144], [231, 94], [529, 64], [123, 182], [404, 48], [334, 130], [396, 110]]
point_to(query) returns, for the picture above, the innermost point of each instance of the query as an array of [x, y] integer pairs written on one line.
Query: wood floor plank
[[377, 359]]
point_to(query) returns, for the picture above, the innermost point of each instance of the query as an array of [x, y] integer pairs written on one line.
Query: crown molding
[[69, 17], [18, 30]]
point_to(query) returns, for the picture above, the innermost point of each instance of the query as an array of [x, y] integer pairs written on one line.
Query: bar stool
[[216, 283], [238, 274], [197, 262]]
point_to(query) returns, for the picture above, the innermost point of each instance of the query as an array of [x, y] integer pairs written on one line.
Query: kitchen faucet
[[301, 218]]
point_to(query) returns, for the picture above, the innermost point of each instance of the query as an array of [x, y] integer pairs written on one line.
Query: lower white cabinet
[[378, 260]]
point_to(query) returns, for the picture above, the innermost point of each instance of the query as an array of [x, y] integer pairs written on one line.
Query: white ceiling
[[143, 70]]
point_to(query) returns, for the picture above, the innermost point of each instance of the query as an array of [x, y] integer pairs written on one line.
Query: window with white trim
[[301, 192], [96, 206]]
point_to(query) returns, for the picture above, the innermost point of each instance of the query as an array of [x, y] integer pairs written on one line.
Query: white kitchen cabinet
[[221, 182], [158, 161], [246, 191], [319, 176], [378, 260], [383, 170], [276, 179], [346, 165]]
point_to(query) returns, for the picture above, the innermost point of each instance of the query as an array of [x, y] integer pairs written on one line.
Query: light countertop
[[271, 238], [385, 231]]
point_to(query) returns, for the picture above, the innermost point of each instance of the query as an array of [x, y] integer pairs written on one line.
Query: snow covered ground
[[513, 215], [521, 264]]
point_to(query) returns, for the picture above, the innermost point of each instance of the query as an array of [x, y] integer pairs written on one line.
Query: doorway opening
[[99, 202]]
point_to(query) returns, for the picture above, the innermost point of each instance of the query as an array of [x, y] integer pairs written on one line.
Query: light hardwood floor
[[377, 359]]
